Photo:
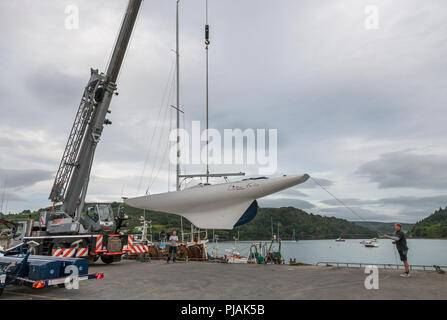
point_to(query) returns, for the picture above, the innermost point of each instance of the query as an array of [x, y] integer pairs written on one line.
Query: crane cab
[[99, 217]]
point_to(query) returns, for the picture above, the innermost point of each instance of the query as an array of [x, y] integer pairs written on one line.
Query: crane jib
[[72, 178]]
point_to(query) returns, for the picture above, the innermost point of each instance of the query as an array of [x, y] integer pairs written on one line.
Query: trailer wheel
[[107, 259]]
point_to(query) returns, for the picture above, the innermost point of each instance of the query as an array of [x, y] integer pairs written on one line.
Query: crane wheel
[[107, 259], [93, 259]]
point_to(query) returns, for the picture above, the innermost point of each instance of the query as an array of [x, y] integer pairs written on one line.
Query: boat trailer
[[39, 272]]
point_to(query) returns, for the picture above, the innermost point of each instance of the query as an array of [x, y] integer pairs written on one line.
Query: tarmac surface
[[135, 280]]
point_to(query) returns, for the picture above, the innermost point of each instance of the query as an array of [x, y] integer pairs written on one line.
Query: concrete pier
[[130, 279]]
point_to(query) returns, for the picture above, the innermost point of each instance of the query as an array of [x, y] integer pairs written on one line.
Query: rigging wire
[[157, 123], [163, 159], [184, 127], [169, 162]]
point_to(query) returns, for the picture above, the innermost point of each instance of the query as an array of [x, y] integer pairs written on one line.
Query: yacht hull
[[219, 206]]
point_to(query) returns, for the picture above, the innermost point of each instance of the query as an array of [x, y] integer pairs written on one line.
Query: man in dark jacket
[[401, 246]]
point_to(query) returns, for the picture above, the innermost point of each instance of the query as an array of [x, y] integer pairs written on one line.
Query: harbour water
[[421, 251]]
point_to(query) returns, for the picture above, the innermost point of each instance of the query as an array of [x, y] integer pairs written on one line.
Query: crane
[[69, 190]]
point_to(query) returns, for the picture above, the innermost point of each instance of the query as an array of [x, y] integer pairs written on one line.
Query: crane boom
[[72, 178]]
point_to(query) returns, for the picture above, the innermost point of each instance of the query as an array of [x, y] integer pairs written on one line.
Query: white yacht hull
[[219, 206]]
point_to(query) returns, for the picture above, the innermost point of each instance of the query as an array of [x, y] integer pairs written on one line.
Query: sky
[[359, 108]]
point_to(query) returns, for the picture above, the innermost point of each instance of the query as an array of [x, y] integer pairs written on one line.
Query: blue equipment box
[[43, 270], [81, 263], [36, 269]]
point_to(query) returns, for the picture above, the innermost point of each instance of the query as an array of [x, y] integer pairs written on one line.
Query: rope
[[344, 204], [351, 210]]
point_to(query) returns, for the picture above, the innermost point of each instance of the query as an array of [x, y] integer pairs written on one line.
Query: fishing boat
[[340, 240], [233, 256]]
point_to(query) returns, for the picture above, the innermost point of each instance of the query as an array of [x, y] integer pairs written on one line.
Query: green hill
[[290, 220], [384, 227], [434, 226]]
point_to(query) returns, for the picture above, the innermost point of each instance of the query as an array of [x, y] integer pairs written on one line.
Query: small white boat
[[371, 244], [234, 256], [340, 239]]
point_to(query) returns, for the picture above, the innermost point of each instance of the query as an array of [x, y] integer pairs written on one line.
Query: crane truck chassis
[[90, 245], [66, 230]]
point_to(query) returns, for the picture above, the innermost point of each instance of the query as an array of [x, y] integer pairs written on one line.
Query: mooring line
[[350, 209], [344, 204]]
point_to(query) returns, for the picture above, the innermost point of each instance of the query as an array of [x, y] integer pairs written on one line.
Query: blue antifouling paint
[[248, 215]]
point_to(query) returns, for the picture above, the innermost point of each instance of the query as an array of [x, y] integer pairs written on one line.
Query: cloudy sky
[[360, 109]]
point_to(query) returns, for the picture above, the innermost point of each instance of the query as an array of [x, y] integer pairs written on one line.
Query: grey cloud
[[309, 184], [417, 202], [293, 192], [407, 170], [285, 202], [363, 214], [410, 208], [55, 89], [349, 202], [7, 196], [300, 80], [23, 178]]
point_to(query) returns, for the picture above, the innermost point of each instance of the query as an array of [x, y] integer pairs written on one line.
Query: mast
[[207, 175], [207, 44], [177, 53]]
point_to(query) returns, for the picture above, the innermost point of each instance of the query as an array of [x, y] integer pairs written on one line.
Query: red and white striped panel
[[64, 253], [136, 248], [140, 249], [99, 242], [82, 252]]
